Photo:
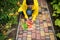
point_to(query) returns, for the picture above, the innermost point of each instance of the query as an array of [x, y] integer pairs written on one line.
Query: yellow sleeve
[[35, 8], [20, 9], [23, 8], [25, 14]]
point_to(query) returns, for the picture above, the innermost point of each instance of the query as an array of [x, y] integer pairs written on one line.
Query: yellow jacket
[[34, 7]]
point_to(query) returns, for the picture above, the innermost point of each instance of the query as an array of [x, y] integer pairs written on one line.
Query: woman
[[29, 8]]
